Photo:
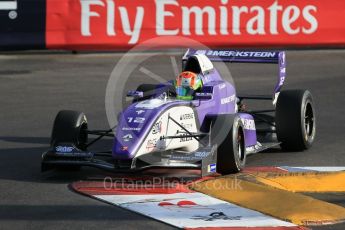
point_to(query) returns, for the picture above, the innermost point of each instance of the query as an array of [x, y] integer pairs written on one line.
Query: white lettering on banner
[[135, 32], [161, 13], [111, 19], [274, 8], [310, 18], [290, 15], [87, 14], [224, 18], [259, 19], [236, 20], [199, 13], [221, 18]]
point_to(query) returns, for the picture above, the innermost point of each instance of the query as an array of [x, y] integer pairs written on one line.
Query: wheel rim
[[309, 120], [240, 148]]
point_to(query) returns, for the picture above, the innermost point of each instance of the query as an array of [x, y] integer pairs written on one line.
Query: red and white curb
[[192, 210], [180, 207]]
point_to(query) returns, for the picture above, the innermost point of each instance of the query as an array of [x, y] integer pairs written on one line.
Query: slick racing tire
[[70, 127], [295, 120], [227, 132]]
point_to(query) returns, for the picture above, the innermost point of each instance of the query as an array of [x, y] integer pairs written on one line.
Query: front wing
[[204, 159]]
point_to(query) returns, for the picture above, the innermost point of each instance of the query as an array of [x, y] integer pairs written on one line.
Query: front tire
[[227, 132], [295, 120], [70, 127]]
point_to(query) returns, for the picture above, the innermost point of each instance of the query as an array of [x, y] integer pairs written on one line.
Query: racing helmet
[[186, 84]]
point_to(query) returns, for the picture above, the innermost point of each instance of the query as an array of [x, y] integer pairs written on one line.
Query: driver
[[186, 84]]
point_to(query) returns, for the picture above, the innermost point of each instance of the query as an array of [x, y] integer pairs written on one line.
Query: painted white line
[[8, 57], [313, 168]]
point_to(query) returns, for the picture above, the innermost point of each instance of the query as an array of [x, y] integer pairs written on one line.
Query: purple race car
[[194, 122]]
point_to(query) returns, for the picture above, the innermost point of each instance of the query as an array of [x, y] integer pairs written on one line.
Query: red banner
[[121, 24]]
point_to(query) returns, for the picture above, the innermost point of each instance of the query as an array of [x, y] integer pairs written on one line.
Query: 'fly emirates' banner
[[122, 24]]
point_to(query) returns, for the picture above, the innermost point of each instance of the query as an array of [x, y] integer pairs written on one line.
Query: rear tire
[[295, 120], [227, 132], [70, 127]]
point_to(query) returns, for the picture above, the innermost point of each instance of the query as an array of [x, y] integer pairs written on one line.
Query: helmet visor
[[184, 91]]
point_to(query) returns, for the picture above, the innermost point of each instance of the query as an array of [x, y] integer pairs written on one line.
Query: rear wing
[[244, 56]]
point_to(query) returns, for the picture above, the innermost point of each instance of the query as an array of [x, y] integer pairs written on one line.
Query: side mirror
[[135, 94]]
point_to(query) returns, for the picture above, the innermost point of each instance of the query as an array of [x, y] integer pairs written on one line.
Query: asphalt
[[34, 87]]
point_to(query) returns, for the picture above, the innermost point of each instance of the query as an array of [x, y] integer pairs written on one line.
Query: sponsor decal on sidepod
[[187, 116]]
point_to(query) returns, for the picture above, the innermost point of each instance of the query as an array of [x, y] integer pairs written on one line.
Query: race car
[[196, 121]]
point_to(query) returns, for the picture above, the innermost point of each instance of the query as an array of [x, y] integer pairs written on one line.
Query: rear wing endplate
[[245, 56]]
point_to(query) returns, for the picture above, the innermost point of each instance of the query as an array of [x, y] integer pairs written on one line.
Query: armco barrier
[[121, 24]]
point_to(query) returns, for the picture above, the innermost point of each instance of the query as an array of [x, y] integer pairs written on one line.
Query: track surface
[[34, 87]]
